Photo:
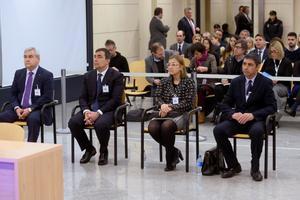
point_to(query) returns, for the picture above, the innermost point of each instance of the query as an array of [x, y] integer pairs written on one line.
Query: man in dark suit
[[243, 21], [249, 100], [181, 46], [101, 94], [31, 89], [158, 31], [187, 25], [261, 49], [237, 17]]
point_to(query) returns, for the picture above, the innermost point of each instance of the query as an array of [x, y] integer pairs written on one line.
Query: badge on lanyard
[[37, 91], [105, 89], [175, 100]]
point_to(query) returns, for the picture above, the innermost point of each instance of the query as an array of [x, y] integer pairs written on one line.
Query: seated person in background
[[181, 46], [278, 65], [175, 98], [228, 50], [232, 66], [292, 52], [100, 95], [157, 62], [196, 39], [203, 63], [244, 34], [294, 98], [248, 102], [261, 48], [117, 61], [31, 89], [250, 44]]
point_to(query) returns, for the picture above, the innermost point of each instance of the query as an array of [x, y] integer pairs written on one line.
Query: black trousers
[[228, 128], [102, 127], [33, 122]]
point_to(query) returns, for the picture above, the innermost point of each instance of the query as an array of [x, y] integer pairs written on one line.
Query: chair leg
[[128, 100], [187, 152], [160, 153], [54, 126], [42, 133], [72, 148], [142, 145], [91, 135], [115, 145], [266, 157], [197, 136], [274, 151], [126, 138], [234, 146]]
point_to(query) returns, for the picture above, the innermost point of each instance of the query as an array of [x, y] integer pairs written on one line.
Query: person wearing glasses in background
[[175, 96]]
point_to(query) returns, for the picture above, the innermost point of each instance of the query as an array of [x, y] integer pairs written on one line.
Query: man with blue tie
[[248, 102], [101, 94], [32, 88]]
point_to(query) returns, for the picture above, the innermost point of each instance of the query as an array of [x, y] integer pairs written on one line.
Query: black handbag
[[213, 162]]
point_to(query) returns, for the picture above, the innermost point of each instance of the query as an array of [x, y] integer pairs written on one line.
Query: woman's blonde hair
[[278, 46], [180, 60]]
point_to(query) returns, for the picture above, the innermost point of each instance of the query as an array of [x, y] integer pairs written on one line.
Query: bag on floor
[[213, 162]]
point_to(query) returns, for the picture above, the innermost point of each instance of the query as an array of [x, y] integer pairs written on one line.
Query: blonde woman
[[175, 97]]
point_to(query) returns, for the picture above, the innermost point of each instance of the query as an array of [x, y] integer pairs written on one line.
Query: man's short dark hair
[[260, 35], [110, 42], [225, 27], [158, 11], [155, 46], [106, 53], [273, 13], [241, 8], [198, 47], [293, 34], [254, 57], [217, 26]]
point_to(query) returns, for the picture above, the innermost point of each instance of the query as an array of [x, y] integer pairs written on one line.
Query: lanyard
[[276, 66]]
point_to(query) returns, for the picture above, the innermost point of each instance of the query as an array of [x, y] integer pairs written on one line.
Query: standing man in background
[[273, 27], [117, 61], [158, 31], [31, 89], [187, 25]]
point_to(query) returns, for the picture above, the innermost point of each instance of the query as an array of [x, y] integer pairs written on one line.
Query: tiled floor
[[128, 181]]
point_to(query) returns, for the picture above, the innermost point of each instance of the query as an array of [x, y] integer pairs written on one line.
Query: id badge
[[37, 92], [105, 89], [175, 100]]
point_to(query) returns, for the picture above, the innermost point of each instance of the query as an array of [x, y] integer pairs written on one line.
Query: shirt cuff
[[15, 108], [86, 110], [100, 112]]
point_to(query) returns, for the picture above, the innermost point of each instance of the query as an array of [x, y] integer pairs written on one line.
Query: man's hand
[[25, 113], [93, 116], [19, 112], [87, 118], [156, 81], [243, 118], [202, 69], [236, 116]]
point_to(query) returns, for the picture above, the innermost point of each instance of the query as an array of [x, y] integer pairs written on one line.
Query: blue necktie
[[249, 87], [95, 105], [27, 91]]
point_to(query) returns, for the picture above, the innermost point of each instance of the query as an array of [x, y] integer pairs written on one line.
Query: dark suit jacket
[[43, 80], [184, 25], [158, 32], [260, 103], [265, 53], [285, 69], [107, 101], [185, 47], [243, 23]]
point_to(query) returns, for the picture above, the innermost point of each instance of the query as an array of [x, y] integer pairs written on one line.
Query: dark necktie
[[249, 87], [179, 49], [95, 105], [259, 55], [27, 91]]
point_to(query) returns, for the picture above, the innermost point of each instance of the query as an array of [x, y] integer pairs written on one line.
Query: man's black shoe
[[290, 112], [88, 155], [232, 171], [103, 158], [256, 176]]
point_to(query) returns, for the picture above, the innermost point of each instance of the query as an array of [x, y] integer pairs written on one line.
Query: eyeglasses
[[274, 51], [238, 47]]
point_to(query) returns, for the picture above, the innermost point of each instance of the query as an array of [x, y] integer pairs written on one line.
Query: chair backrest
[[10, 131], [139, 66]]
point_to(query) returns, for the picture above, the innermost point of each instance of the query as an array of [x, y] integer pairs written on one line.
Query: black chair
[[23, 123], [270, 128], [120, 120], [186, 131]]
